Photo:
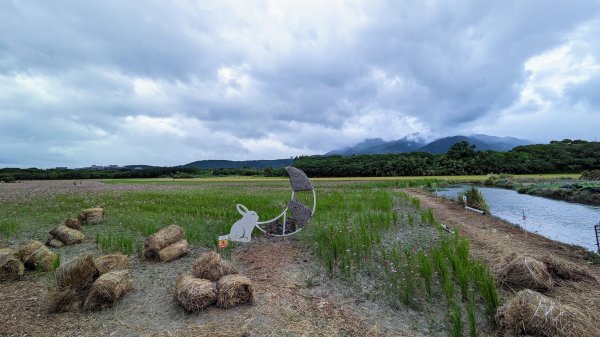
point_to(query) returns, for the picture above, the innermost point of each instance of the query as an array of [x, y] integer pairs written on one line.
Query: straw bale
[[530, 312], [67, 235], [173, 251], [91, 216], [10, 266], [108, 263], [78, 273], [25, 252], [107, 289], [37, 256], [210, 266], [55, 243], [194, 294], [161, 239], [72, 223], [525, 272], [233, 290], [564, 269]]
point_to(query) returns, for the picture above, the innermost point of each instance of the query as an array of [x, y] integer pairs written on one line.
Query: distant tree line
[[178, 172], [566, 156]]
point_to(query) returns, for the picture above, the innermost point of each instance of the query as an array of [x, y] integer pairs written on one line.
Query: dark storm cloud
[[469, 56], [171, 82]]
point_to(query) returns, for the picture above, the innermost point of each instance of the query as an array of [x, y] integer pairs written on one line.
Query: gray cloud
[[171, 82]]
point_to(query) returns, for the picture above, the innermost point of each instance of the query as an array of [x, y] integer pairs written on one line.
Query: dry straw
[[173, 251], [210, 266], [37, 256], [524, 272], [11, 267], [164, 237], [107, 289], [532, 313], [108, 263], [64, 300], [91, 216], [563, 269], [67, 235], [78, 273], [194, 294], [52, 242], [72, 223], [233, 290]]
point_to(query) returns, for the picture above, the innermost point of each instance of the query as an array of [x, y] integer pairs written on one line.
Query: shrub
[[590, 175], [475, 199]]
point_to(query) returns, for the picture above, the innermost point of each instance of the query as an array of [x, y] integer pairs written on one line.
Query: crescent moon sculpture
[[300, 215]]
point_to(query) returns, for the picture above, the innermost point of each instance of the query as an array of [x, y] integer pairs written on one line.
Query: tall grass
[[472, 317], [117, 242], [426, 270], [8, 227], [475, 199], [486, 285], [457, 325]]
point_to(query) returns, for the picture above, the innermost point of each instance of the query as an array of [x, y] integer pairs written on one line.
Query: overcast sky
[[170, 82]]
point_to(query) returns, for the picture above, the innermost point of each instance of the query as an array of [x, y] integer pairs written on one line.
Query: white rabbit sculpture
[[241, 230]]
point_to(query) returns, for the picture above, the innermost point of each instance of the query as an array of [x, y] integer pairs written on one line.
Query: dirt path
[[492, 238]]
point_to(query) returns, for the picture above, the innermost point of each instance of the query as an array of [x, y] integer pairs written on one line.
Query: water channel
[[558, 220]]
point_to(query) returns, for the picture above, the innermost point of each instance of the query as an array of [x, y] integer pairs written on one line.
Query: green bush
[[7, 178], [590, 175], [475, 199]]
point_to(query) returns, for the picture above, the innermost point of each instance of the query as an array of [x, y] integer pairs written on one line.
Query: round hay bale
[[194, 294], [173, 251], [161, 239], [210, 266], [54, 243], [233, 290], [72, 223], [563, 269], [67, 235], [530, 312], [108, 263], [11, 268], [525, 272], [107, 289], [78, 273], [91, 216], [37, 256]]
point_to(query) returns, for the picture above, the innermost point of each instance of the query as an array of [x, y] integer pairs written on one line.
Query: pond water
[[558, 220]]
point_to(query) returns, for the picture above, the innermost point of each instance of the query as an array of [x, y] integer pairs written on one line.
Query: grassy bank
[[561, 188]]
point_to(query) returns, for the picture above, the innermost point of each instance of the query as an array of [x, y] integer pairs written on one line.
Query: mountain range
[[410, 143], [413, 143]]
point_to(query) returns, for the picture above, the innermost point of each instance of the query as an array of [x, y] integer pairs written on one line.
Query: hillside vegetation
[[565, 156]]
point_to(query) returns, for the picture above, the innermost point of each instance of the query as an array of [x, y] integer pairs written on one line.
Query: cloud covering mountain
[[169, 82]]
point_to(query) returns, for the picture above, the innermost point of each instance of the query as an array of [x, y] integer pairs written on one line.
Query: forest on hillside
[[566, 156]]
